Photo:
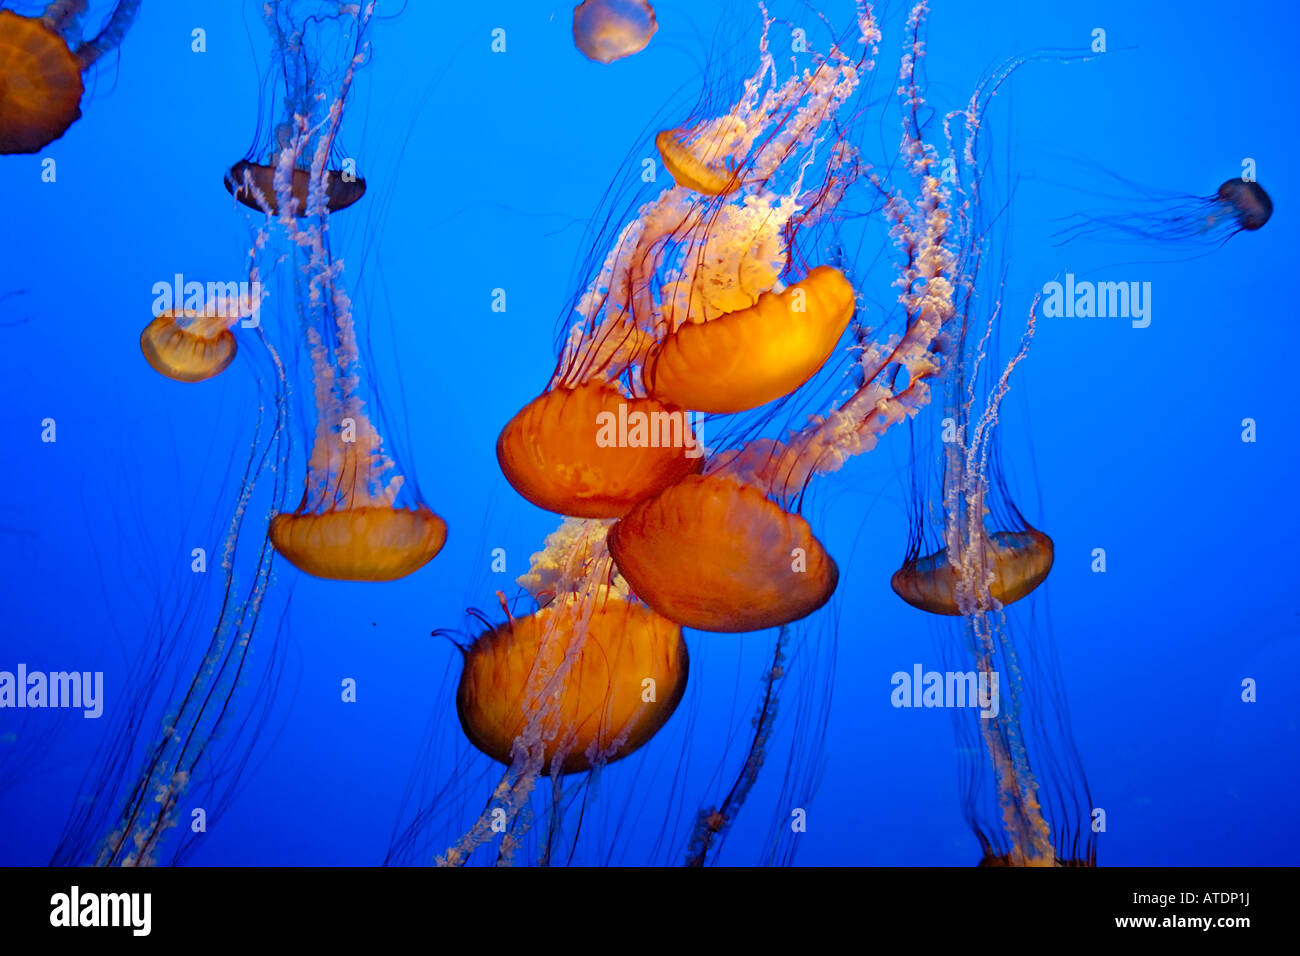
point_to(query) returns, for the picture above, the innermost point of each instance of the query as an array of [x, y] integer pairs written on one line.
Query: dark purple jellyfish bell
[[1250, 205]]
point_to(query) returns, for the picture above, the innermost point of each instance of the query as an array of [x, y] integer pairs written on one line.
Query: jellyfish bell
[[703, 166], [42, 59], [718, 555], [188, 345], [753, 356], [253, 184], [609, 30], [601, 714], [1251, 206], [40, 84], [1017, 562], [296, 151], [362, 543], [576, 451]]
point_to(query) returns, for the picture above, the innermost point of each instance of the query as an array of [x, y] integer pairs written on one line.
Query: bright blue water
[[484, 168]]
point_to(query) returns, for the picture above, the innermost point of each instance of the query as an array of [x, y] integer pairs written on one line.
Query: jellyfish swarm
[[42, 60], [608, 30], [359, 518], [689, 313], [726, 549], [758, 564], [1165, 219]]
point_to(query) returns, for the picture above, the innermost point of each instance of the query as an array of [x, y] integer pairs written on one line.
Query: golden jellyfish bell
[[756, 355], [40, 84], [363, 543], [590, 452], [1020, 562], [185, 346], [253, 184], [717, 555], [602, 708], [689, 170]]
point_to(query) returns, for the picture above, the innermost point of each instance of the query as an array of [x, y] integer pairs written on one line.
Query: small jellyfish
[[1246, 202], [717, 555], [753, 356], [608, 30], [193, 345], [1018, 561], [253, 184], [604, 711], [1146, 216], [705, 165], [311, 43], [42, 60], [556, 453]]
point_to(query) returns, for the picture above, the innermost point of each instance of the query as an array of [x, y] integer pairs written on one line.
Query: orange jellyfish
[[358, 519], [602, 714], [608, 30], [1016, 561], [717, 555], [1025, 795], [741, 360], [349, 525], [563, 451], [192, 345], [42, 60]]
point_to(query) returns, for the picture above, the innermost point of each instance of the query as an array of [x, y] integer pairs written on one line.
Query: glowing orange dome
[[1020, 562], [603, 703], [187, 352], [756, 355], [590, 452], [40, 84], [246, 180], [364, 543], [717, 555], [687, 169]]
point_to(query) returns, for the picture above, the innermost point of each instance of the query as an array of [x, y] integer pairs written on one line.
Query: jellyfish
[[308, 43], [359, 519], [753, 356], [193, 345], [1034, 812], [1163, 218], [602, 714], [1016, 563], [975, 556], [553, 454], [608, 30], [349, 525], [749, 564], [42, 59]]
